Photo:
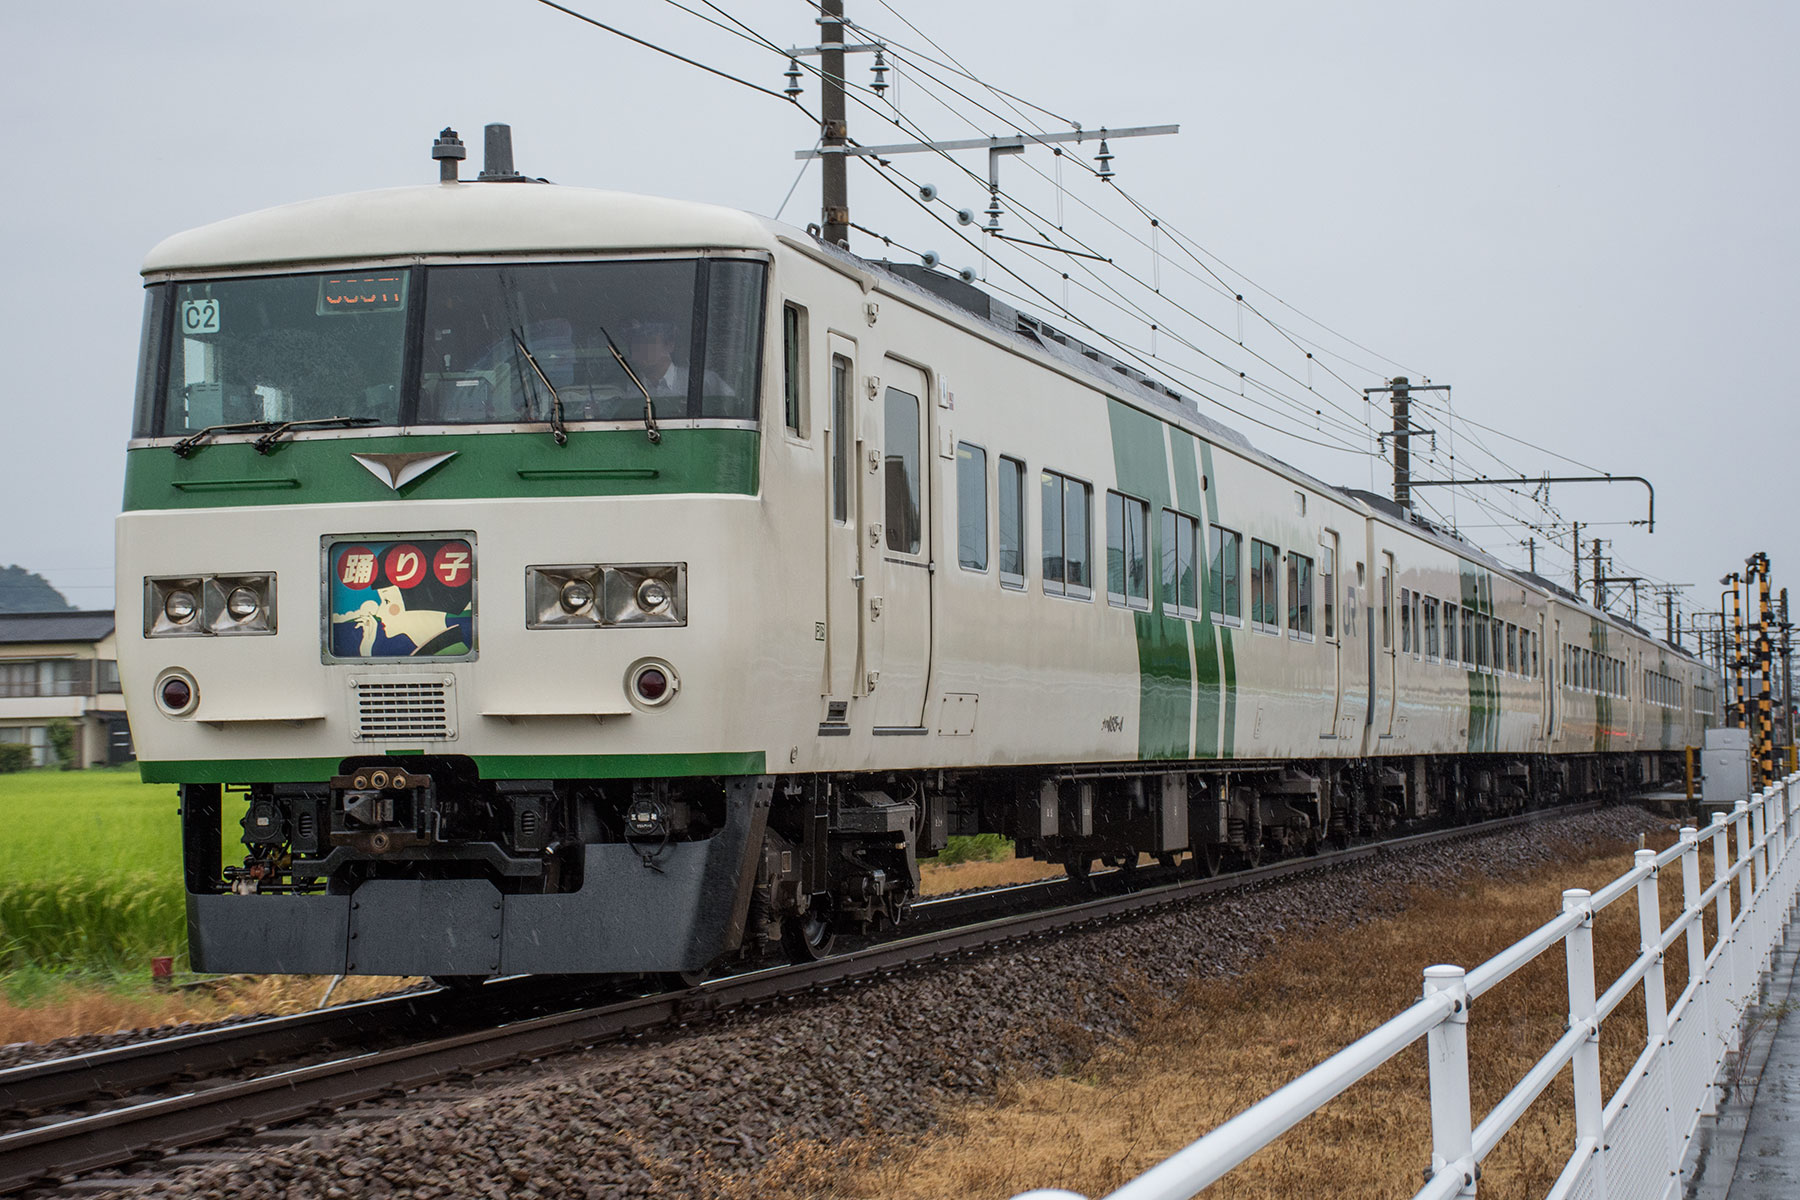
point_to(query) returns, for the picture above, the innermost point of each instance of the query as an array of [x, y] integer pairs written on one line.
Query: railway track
[[63, 1138]]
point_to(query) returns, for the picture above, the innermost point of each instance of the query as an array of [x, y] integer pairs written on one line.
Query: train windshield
[[456, 345]]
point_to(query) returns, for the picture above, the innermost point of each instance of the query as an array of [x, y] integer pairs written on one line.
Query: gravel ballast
[[701, 1112]]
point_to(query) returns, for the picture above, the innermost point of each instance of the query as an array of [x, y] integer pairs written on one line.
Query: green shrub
[[14, 756], [61, 734], [982, 847]]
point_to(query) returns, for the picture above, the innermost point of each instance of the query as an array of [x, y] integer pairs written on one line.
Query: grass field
[[90, 879]]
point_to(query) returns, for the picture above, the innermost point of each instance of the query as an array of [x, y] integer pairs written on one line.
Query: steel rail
[[59, 1151]]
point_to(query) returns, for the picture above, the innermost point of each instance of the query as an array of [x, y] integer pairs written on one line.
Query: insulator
[[1104, 158], [792, 90], [930, 258], [993, 213], [964, 217], [880, 84]]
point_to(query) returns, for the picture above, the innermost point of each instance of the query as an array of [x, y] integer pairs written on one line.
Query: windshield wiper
[[650, 429], [556, 409], [267, 441], [188, 444]]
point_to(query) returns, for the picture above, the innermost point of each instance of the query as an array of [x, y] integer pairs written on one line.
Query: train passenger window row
[[1587, 671], [1661, 690], [1488, 643]]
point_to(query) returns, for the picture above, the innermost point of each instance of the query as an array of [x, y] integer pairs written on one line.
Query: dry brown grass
[[1226, 1043], [935, 880], [79, 1009]]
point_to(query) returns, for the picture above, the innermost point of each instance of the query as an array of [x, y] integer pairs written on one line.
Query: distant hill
[[27, 591]]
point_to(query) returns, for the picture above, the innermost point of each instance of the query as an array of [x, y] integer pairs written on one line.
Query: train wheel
[[1208, 859], [1078, 870], [809, 936]]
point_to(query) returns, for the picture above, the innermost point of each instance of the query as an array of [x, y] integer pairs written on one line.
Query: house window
[[971, 507], [1067, 557], [1265, 599], [1300, 597], [1224, 594], [1127, 551], [1011, 503]]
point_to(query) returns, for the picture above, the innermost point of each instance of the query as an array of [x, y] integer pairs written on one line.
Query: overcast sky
[[1581, 216]]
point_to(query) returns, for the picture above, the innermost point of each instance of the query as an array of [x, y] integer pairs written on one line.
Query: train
[[522, 578]]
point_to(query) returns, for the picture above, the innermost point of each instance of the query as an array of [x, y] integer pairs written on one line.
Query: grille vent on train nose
[[403, 707]]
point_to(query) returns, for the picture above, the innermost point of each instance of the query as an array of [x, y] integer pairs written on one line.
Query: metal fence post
[[1700, 1017], [1447, 1052], [1726, 977], [1656, 998], [1590, 1101], [1744, 948]]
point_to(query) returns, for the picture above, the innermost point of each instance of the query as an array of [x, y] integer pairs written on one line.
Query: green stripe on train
[[491, 766], [610, 462]]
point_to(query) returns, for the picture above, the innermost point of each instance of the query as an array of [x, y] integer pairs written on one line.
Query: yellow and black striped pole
[[1735, 714], [1765, 648]]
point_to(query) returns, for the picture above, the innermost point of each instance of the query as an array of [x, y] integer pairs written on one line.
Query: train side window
[[1497, 630], [793, 360], [1536, 670], [1180, 569], [841, 438], [1512, 649], [1067, 553], [1011, 504], [1127, 551], [901, 432], [1450, 642], [1300, 597], [1428, 611], [1387, 607], [1468, 636], [1406, 621], [1328, 583], [971, 507], [1224, 588], [1265, 602]]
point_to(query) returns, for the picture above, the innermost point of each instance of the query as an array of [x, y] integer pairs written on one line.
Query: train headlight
[[180, 606], [200, 605], [576, 595], [594, 595]]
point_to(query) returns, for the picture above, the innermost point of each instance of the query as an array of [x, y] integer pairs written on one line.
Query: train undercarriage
[[419, 866]]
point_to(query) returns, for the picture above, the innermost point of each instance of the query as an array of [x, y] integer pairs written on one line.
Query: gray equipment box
[[1725, 769]]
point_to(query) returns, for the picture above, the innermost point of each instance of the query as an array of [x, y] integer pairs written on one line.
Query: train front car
[[439, 552]]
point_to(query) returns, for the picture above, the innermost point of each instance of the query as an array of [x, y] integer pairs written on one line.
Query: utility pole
[[1787, 670], [1599, 579], [1531, 549], [1757, 568], [834, 128], [1577, 557], [1401, 389]]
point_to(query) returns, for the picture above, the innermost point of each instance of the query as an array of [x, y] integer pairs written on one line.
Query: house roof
[[16, 628]]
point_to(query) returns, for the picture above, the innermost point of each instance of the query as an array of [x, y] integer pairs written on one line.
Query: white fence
[[1627, 1146]]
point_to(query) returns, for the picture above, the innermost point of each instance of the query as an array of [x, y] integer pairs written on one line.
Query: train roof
[[458, 218]]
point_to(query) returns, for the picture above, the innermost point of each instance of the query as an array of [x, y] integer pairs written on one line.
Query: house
[[62, 666]]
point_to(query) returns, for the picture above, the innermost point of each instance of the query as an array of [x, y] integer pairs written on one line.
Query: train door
[[897, 547], [1331, 640], [843, 632], [1553, 673], [1546, 688]]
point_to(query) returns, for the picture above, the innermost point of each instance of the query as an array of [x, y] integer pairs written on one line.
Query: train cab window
[[901, 477], [1300, 597], [1265, 600], [1127, 551], [841, 439], [971, 507], [1512, 649], [1224, 589], [1011, 504], [1433, 634], [1067, 557], [793, 366], [1180, 565], [1406, 621]]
